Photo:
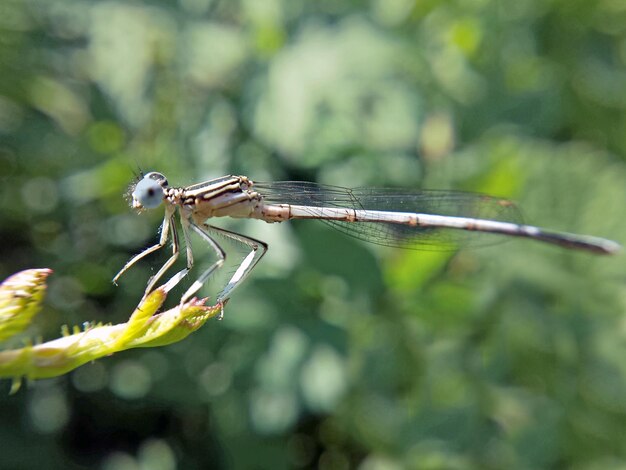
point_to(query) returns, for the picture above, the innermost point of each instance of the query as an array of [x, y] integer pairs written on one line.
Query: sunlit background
[[334, 354]]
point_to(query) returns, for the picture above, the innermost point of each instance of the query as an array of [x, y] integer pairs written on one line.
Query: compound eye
[[148, 193], [156, 176]]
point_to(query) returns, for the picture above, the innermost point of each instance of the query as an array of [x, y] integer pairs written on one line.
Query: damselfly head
[[149, 191]]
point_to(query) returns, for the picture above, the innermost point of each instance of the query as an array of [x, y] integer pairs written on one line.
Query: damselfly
[[398, 218]]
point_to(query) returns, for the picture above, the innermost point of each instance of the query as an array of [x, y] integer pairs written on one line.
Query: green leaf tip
[[145, 328], [20, 300]]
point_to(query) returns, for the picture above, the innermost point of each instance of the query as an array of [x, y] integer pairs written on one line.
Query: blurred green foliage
[[335, 354]]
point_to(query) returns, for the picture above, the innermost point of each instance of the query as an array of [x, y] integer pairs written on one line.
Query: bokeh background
[[334, 354]]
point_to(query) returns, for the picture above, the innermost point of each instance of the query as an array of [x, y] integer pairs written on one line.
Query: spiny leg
[[176, 278], [165, 228], [258, 249], [168, 264], [198, 283], [246, 266]]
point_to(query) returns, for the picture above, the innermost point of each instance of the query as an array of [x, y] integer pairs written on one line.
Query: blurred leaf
[[20, 299]]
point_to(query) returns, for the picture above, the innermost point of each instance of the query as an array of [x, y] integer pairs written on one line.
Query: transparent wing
[[446, 203]]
